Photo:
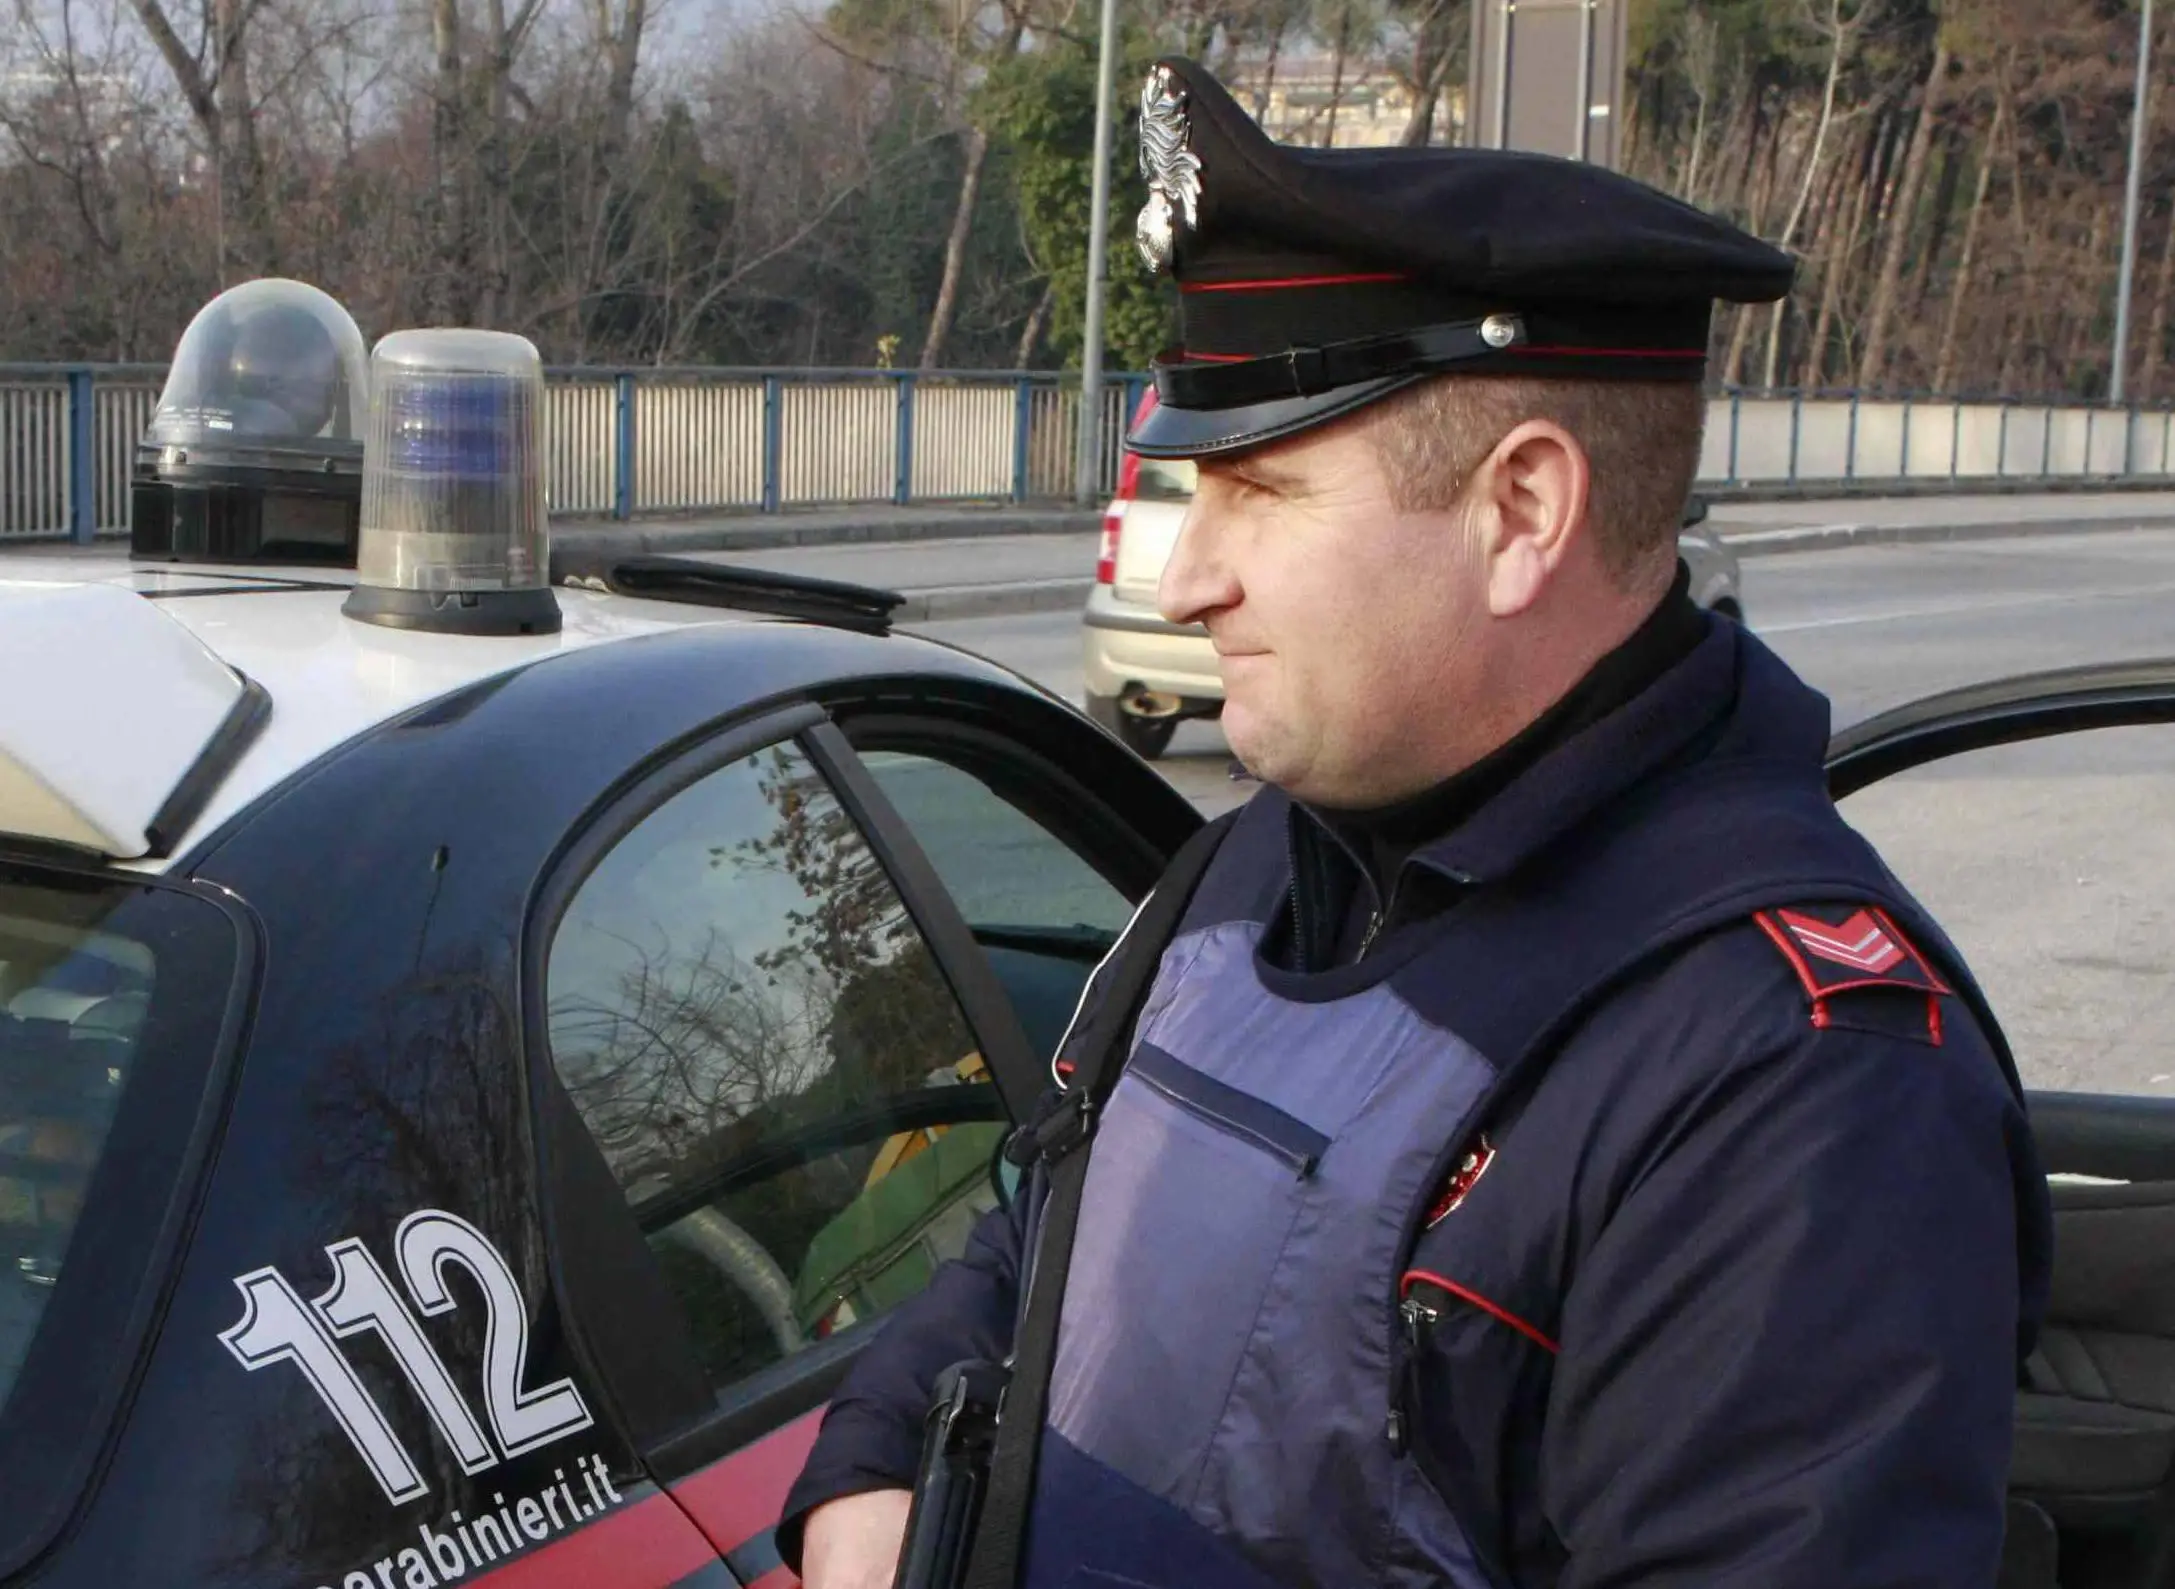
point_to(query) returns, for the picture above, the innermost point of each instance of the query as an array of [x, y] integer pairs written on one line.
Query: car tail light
[[1106, 556]]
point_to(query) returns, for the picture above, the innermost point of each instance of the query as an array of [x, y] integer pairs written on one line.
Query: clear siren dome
[[254, 453], [454, 531], [267, 371]]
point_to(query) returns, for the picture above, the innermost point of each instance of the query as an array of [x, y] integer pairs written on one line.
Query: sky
[[679, 32]]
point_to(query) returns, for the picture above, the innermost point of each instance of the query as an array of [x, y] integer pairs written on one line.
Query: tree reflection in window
[[743, 1012]]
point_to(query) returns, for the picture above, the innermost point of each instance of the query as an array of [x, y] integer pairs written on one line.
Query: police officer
[[1556, 1151]]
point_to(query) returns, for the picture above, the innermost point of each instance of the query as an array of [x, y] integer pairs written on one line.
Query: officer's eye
[[1244, 486]]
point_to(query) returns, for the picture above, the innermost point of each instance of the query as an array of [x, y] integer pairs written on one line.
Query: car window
[[2051, 864], [771, 1062], [113, 996], [1003, 868], [1042, 914]]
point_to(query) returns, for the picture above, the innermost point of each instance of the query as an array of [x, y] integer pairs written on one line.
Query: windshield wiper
[[1079, 941], [779, 595]]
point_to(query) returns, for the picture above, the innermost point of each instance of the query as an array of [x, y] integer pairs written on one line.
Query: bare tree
[[2019, 241], [619, 32], [1703, 71], [797, 129], [1039, 318], [955, 250], [1435, 55], [219, 97], [2148, 364], [1839, 33], [1340, 56], [453, 281], [1873, 363], [970, 191], [506, 39], [1762, 190], [1841, 228], [1945, 361], [472, 158]]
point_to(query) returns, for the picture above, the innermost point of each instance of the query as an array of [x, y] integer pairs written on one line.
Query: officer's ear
[[1528, 501]]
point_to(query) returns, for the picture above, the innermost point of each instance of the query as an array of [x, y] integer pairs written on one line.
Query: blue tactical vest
[[1228, 1355]]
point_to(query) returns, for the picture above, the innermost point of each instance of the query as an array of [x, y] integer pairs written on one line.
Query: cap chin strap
[[1304, 372]]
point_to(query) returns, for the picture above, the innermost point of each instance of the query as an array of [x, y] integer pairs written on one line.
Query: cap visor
[[1169, 432]]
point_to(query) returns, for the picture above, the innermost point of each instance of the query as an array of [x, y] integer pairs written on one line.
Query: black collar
[[1381, 840]]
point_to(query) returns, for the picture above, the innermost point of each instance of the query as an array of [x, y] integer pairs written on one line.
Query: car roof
[[329, 677]]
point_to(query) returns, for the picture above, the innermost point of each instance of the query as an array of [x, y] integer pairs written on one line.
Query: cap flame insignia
[[1172, 168]]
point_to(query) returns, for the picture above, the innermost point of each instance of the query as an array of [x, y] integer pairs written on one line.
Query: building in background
[[1321, 102]]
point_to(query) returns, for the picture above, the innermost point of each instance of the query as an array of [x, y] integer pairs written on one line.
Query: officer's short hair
[[1642, 439]]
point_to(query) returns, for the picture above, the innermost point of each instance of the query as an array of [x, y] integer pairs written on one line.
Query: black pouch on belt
[[954, 1475]]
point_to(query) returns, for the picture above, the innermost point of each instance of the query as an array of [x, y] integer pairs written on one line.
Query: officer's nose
[[1198, 579]]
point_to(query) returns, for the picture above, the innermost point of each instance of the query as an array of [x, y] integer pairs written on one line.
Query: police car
[[476, 1062], [485, 1041]]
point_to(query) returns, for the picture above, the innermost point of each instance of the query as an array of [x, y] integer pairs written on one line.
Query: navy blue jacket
[[1736, 1291]]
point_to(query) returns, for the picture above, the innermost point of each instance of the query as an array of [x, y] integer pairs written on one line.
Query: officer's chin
[[1256, 739]]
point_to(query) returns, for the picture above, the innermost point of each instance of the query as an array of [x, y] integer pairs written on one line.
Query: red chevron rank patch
[[1858, 943], [1843, 949]]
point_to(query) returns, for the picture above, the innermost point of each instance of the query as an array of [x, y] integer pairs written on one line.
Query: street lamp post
[[1087, 473], [2138, 144]]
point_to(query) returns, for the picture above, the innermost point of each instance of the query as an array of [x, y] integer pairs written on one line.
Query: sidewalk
[[983, 577], [822, 527], [1753, 528]]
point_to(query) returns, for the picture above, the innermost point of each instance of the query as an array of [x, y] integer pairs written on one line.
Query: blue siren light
[[455, 536]]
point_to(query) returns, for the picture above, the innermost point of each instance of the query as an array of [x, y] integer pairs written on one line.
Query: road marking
[[2020, 533], [1956, 609]]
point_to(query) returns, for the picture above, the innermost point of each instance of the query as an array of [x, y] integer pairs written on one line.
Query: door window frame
[[1079, 813], [49, 1480], [2004, 712], [2123, 1136], [644, 1376]]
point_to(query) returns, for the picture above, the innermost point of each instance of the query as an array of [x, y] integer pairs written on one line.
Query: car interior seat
[[2095, 1416]]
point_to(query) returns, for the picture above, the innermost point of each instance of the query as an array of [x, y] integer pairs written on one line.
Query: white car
[[1145, 675]]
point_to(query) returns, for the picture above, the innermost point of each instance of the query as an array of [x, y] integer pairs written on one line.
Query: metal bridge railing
[[1814, 438], [635, 443]]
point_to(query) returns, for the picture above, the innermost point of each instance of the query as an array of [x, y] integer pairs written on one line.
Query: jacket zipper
[[1412, 1321], [1375, 918], [1298, 925], [1301, 1164], [1378, 918], [1413, 1341]]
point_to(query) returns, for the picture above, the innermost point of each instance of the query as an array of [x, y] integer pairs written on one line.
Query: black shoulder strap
[[1060, 1139]]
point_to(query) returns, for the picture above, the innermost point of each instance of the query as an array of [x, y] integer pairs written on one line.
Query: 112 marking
[[277, 1326]]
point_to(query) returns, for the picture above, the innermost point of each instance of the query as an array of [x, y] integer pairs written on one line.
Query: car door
[[791, 987], [2032, 817]]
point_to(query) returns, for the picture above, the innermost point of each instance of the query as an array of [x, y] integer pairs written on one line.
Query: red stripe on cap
[[779, 1577], [737, 1497], [1193, 357], [645, 1545], [1493, 1310], [1611, 353], [1279, 283]]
